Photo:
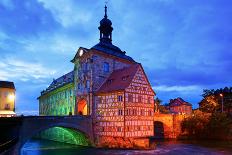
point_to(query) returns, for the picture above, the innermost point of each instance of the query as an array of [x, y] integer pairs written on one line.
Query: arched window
[[106, 67]]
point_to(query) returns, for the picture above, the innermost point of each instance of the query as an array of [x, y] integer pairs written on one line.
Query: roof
[[119, 79], [59, 82], [178, 102], [7, 84], [111, 49]]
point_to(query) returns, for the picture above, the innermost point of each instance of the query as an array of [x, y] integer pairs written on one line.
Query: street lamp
[[222, 100]]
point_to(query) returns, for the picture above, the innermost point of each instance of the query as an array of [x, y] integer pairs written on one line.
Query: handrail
[[8, 144]]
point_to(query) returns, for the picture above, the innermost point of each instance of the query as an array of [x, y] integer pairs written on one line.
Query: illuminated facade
[[125, 105], [58, 98], [179, 106], [112, 88], [7, 99], [93, 66]]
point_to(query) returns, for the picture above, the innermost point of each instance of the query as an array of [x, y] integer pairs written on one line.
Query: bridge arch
[[25, 137], [32, 125], [163, 126], [158, 130]]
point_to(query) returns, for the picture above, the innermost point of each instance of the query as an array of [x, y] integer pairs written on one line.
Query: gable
[[140, 83], [80, 50]]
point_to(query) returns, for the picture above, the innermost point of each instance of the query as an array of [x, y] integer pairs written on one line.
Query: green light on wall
[[65, 135]]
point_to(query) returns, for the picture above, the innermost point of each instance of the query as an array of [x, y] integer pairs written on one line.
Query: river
[[45, 147]]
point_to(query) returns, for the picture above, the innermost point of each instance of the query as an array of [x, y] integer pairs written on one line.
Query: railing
[[7, 145]]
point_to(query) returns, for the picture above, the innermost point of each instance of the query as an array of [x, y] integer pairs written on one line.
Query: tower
[[105, 29]]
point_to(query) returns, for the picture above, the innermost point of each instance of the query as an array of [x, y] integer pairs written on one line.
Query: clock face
[[81, 52]]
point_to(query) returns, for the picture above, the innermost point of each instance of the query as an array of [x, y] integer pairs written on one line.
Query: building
[[125, 105], [179, 106], [111, 87], [7, 99], [58, 98]]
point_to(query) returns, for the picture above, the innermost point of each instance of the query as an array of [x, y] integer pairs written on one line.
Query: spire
[[105, 29], [105, 12]]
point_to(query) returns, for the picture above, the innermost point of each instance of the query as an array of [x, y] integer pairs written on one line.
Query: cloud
[[67, 12], [14, 69], [182, 89]]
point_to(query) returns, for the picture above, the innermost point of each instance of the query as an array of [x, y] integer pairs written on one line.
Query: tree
[[157, 104], [195, 125], [208, 92], [209, 104], [159, 107]]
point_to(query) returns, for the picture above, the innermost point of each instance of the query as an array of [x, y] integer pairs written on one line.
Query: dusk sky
[[184, 45]]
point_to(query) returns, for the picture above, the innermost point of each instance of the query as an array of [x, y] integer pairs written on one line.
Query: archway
[[82, 107], [158, 130], [56, 134]]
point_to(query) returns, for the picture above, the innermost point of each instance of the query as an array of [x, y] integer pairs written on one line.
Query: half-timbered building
[[125, 106]]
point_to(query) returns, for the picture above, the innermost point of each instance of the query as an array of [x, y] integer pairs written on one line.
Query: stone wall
[[120, 142]]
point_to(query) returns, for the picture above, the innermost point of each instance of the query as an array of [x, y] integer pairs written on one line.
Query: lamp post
[[222, 102]]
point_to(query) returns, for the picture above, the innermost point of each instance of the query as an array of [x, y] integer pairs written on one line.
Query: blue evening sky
[[184, 45]]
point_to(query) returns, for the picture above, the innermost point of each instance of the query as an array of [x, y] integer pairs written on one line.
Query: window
[[140, 99], [87, 84], [148, 100], [7, 107], [127, 112], [79, 85], [130, 98], [119, 129], [142, 112], [109, 81], [120, 112], [120, 98], [106, 67], [134, 112], [124, 78], [149, 113]]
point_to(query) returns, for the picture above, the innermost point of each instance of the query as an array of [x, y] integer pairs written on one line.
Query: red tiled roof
[[178, 102], [119, 79]]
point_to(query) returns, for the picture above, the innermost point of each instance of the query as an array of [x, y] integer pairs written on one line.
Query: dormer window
[[106, 67], [124, 78], [109, 81]]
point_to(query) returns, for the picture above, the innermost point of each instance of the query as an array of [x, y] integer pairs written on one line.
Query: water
[[45, 147]]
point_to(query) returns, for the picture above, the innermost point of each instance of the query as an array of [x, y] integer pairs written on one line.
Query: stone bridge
[[167, 125], [24, 128]]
